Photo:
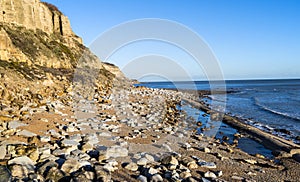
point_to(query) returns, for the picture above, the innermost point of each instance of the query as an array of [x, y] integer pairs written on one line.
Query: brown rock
[[169, 160]]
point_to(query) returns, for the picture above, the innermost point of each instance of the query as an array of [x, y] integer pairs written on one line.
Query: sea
[[270, 105]]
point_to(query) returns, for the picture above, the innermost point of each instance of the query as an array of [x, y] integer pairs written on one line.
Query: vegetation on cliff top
[[52, 7], [36, 43]]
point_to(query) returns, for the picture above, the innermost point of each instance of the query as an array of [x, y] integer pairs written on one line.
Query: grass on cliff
[[35, 43], [23, 69]]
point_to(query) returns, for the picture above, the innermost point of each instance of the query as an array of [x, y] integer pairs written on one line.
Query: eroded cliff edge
[[40, 57]]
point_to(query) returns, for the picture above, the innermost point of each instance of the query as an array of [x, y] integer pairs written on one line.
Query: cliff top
[[51, 7]]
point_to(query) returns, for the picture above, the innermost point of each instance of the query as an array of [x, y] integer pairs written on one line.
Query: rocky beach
[[67, 116]]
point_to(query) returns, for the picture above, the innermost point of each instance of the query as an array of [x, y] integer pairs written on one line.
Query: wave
[[216, 99], [283, 114]]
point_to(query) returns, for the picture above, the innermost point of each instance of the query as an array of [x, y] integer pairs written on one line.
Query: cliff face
[[37, 33], [34, 14], [40, 52]]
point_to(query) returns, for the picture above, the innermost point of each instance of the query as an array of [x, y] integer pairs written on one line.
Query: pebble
[[15, 124], [23, 160], [192, 165], [58, 152], [237, 178], [142, 162], [102, 174], [172, 167], [131, 166], [180, 135], [149, 157], [250, 161], [209, 165], [219, 173], [116, 151], [259, 156], [55, 174], [210, 175], [205, 150], [2, 151], [156, 178], [111, 165], [185, 175], [45, 139], [251, 173], [70, 165], [205, 180], [142, 178], [20, 171], [187, 146], [26, 133], [46, 166], [151, 171], [69, 142], [169, 160], [87, 147], [230, 150], [91, 138]]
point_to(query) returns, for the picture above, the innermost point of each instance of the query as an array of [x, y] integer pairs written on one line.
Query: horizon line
[[242, 79]]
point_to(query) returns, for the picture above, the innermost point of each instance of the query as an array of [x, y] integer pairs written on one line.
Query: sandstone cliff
[[41, 58], [34, 14], [36, 33]]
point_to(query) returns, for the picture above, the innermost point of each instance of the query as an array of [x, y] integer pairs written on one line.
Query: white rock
[[26, 133], [116, 151], [187, 146], [68, 142], [237, 178], [151, 171], [2, 151], [142, 162], [111, 166], [15, 124], [132, 166], [24, 160], [45, 138], [149, 157], [210, 175], [142, 178]]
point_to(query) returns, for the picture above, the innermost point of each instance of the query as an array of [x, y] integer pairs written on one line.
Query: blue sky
[[250, 38]]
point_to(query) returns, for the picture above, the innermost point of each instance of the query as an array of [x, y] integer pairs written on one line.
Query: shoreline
[[278, 145]]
